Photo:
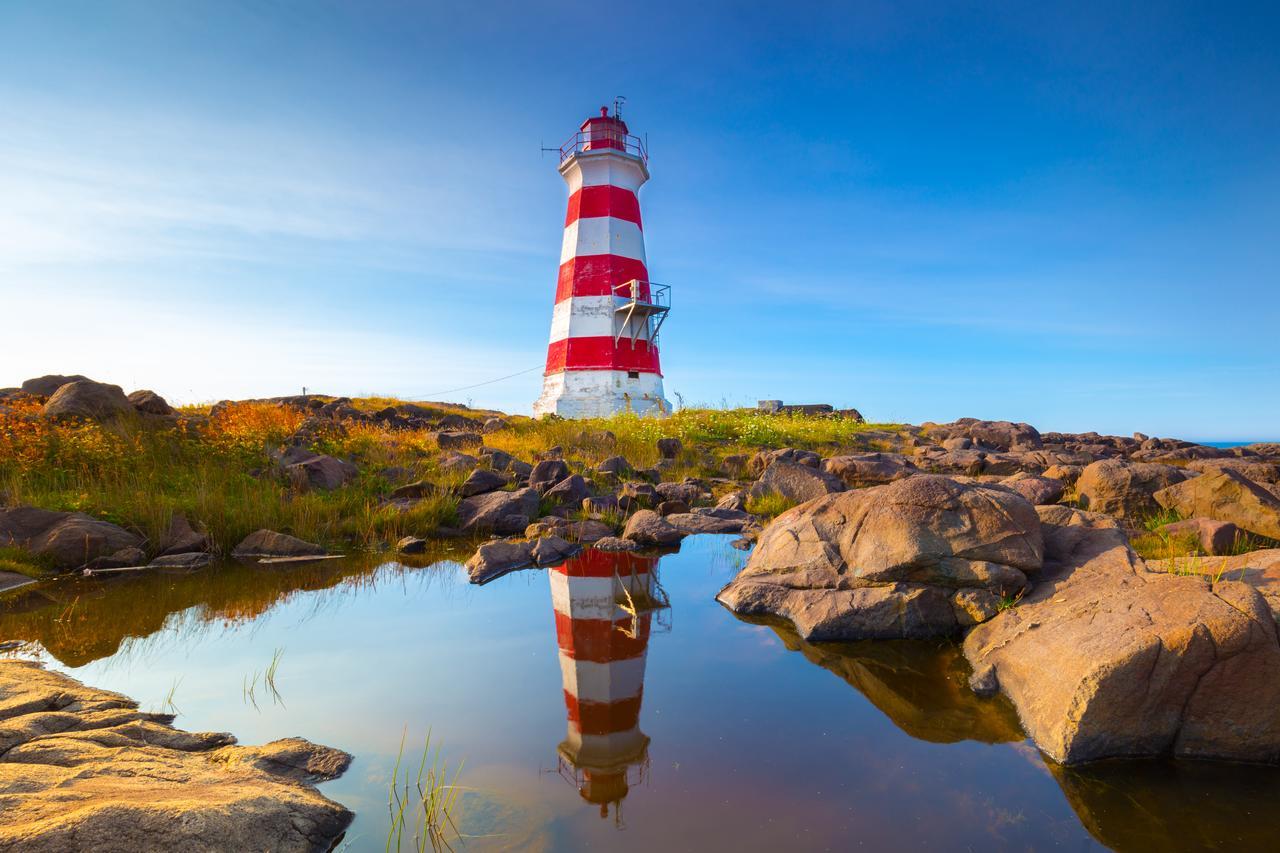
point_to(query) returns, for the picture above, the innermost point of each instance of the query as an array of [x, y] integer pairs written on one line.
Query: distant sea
[[1238, 443]]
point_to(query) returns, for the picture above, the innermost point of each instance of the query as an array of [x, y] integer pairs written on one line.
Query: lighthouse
[[602, 647], [603, 354]]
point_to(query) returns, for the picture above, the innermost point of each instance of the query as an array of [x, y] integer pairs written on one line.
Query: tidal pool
[[585, 719]]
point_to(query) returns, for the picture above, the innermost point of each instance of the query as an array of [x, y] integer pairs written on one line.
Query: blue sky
[[1067, 217]]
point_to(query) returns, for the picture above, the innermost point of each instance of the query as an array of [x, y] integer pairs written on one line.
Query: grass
[[1156, 543], [427, 809], [769, 505], [217, 469], [268, 681], [22, 562]]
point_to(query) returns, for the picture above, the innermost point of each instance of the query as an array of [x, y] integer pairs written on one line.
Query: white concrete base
[[601, 393]]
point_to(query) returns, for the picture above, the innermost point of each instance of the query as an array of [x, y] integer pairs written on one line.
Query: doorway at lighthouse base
[[601, 393]]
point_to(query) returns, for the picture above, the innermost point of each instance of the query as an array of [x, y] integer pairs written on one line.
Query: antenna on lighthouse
[[618, 101]]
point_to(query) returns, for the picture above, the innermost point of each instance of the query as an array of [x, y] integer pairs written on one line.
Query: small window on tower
[[633, 374]]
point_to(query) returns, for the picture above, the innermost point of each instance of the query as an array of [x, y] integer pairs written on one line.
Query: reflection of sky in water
[[752, 745]]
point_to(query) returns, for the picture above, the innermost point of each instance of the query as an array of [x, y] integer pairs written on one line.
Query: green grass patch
[[769, 505]]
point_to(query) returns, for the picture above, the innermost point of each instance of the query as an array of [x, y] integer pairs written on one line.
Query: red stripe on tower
[[603, 354], [590, 202]]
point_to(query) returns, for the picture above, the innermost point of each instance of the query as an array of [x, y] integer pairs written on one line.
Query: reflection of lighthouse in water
[[604, 602]]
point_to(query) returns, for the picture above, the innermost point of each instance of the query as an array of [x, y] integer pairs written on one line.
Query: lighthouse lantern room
[[603, 355]]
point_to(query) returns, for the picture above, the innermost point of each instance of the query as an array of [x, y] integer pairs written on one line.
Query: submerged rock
[[494, 559], [85, 769], [922, 557], [1105, 659]]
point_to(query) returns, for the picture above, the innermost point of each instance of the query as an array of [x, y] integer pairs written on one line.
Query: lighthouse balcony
[[639, 310], [604, 139]]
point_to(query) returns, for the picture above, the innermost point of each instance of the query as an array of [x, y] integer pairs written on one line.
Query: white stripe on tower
[[603, 235]]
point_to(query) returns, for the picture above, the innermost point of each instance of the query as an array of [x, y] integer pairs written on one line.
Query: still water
[[583, 724]]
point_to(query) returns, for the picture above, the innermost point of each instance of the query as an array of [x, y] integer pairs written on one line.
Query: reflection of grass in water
[[79, 621], [433, 794], [268, 679], [168, 706]]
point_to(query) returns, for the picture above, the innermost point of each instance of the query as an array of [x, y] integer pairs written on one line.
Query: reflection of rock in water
[[921, 685], [602, 627], [1155, 805]]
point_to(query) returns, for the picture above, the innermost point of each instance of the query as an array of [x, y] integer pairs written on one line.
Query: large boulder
[[1226, 495], [498, 512], [67, 539], [649, 529], [1125, 489], [182, 538], [795, 482], [1037, 490], [1106, 659], [269, 543], [89, 400], [858, 470], [45, 386], [571, 491], [86, 769], [150, 403], [547, 473], [321, 472], [922, 557], [1258, 471], [481, 481]]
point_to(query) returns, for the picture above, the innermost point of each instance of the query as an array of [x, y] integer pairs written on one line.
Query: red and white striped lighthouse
[[603, 355], [602, 660]]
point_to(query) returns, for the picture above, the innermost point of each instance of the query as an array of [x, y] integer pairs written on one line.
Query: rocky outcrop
[[269, 543], [1125, 489], [1038, 491], [1105, 658], [87, 399], [318, 471], [82, 769], [922, 557], [46, 386], [482, 481], [795, 482], [858, 470], [1258, 569], [1215, 538], [649, 529], [1226, 495], [499, 512], [67, 539], [150, 403], [182, 538]]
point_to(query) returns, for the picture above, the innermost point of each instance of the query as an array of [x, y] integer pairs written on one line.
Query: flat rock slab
[[82, 769]]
